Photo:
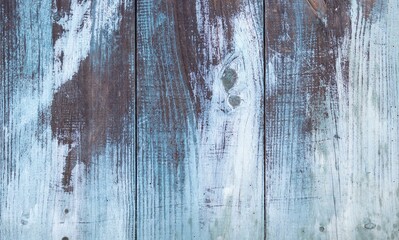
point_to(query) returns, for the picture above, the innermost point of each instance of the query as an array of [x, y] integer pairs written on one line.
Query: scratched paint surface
[[67, 120], [331, 120], [200, 119], [200, 81]]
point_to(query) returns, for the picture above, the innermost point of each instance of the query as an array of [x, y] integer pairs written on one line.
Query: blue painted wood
[[332, 168], [200, 127], [67, 145], [255, 119]]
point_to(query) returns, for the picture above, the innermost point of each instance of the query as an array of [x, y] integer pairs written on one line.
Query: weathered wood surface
[[200, 127], [201, 119], [67, 145], [331, 119]]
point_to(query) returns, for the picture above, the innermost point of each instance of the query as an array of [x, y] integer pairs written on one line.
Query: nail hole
[[65, 238], [321, 229], [57, 17], [66, 211], [369, 226]]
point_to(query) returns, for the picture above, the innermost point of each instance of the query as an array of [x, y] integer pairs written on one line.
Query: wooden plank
[[69, 164], [67, 120], [302, 41], [331, 120], [368, 122], [200, 127]]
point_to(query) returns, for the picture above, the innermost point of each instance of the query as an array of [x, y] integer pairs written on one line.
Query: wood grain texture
[[368, 119], [201, 119], [200, 94], [68, 120], [302, 44], [330, 132]]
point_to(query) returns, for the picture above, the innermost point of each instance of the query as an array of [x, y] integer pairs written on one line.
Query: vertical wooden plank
[[303, 42], [93, 117], [231, 150], [200, 127], [68, 120], [26, 59], [330, 120], [368, 128], [166, 153]]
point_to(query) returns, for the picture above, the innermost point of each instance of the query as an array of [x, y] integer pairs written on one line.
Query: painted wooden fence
[[199, 119]]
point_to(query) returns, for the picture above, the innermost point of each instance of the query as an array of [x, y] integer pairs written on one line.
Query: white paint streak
[[74, 44]]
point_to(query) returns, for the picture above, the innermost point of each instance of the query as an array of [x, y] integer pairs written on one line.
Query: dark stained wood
[[166, 123]]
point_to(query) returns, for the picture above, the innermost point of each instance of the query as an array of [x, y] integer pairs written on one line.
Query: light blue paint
[[33, 203]]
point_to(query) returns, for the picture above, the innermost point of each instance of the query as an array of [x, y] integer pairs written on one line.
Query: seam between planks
[[264, 118], [135, 123]]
